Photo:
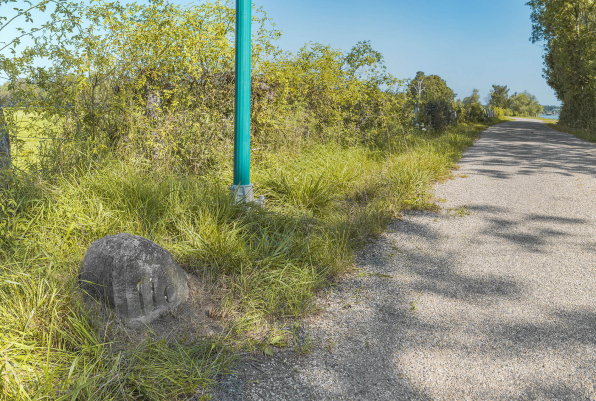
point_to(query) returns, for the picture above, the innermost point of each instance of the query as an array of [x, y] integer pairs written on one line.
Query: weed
[[372, 274], [414, 303], [460, 211], [302, 344], [330, 345], [305, 346]]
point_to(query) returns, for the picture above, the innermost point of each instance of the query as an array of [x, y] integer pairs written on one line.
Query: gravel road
[[490, 299]]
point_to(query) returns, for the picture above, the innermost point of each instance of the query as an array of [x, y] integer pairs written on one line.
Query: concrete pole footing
[[245, 193]]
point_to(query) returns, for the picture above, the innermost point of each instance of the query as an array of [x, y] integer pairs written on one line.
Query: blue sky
[[469, 43]]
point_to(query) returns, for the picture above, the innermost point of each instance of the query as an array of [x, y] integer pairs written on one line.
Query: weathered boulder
[[133, 275]]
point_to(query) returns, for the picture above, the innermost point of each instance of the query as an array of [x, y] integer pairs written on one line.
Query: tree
[[474, 98], [433, 88], [525, 104], [470, 109], [499, 96], [435, 99], [566, 30]]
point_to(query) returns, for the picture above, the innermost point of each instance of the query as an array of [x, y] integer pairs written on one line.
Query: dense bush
[[439, 114], [501, 112], [566, 30], [434, 100], [156, 81]]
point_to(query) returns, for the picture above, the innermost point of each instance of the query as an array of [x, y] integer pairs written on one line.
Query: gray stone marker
[[135, 276]]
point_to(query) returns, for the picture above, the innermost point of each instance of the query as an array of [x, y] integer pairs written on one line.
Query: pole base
[[244, 193]]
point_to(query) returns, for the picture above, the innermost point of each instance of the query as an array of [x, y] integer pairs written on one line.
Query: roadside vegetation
[[566, 31], [546, 120], [137, 128]]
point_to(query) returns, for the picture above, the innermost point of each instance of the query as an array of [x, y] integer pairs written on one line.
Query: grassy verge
[[266, 263], [546, 120], [585, 134]]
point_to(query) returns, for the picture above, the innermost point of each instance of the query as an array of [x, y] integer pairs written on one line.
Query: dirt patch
[[187, 323]]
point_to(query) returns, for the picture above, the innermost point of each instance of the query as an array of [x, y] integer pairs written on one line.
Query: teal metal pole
[[242, 101]]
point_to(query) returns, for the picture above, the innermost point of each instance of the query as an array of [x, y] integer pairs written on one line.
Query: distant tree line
[[519, 104], [436, 106]]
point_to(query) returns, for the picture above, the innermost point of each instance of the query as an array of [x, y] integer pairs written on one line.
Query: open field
[[29, 138]]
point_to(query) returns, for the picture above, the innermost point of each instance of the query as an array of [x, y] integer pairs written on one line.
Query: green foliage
[[566, 30], [433, 88], [499, 97], [474, 98], [171, 68], [470, 109], [10, 222], [501, 112], [63, 19], [5, 97], [333, 89], [53, 349], [439, 114], [524, 104], [324, 203], [585, 134], [476, 112], [433, 99], [161, 63]]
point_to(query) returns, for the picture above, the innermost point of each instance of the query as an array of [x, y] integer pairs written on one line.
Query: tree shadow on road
[[532, 149], [377, 342]]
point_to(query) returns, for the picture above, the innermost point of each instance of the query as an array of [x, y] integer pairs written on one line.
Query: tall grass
[[323, 203]]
